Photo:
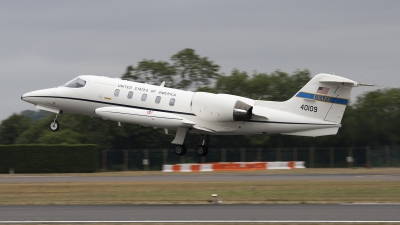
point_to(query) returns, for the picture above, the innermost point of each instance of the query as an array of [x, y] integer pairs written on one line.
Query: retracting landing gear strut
[[179, 148], [55, 125], [202, 149]]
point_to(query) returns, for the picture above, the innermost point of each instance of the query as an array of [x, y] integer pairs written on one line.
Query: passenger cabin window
[[144, 97], [130, 94], [158, 99], [77, 83], [116, 92], [172, 102]]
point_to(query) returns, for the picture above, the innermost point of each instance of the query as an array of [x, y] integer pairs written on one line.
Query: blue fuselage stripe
[[323, 98]]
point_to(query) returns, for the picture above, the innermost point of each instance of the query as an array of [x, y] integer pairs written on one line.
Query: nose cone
[[35, 97], [26, 95]]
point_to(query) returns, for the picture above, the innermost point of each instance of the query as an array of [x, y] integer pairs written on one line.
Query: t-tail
[[322, 100]]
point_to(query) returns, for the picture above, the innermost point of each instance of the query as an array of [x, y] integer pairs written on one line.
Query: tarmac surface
[[200, 177], [211, 212]]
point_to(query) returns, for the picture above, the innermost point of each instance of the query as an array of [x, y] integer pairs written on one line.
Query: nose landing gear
[[55, 125]]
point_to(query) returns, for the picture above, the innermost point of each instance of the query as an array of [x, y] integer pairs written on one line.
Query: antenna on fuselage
[[162, 84]]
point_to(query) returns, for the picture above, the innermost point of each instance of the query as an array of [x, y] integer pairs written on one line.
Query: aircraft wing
[[215, 128], [143, 117], [204, 129], [260, 111]]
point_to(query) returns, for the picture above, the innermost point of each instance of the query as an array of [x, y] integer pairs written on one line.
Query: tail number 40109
[[309, 108]]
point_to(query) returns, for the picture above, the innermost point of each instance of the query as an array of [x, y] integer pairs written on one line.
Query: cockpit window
[[77, 83]]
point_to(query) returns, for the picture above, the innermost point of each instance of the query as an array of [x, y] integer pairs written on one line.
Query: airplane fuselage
[[148, 100]]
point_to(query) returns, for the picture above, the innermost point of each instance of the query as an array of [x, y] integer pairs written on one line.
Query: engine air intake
[[220, 107], [242, 111]]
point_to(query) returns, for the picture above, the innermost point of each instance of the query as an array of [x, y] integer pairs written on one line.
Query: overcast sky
[[46, 43]]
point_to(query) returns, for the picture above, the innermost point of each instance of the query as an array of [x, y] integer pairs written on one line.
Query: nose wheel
[[54, 126]]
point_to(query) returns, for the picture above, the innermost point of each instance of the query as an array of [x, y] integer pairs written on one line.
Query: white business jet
[[316, 110]]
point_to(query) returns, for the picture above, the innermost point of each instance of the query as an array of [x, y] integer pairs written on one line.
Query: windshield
[[77, 83]]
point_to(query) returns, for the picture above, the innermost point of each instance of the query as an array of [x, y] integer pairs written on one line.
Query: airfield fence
[[153, 159]]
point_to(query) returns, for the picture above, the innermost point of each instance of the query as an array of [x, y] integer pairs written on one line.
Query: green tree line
[[372, 120]]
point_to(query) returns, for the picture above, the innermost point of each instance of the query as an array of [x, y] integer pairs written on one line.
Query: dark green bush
[[38, 158]]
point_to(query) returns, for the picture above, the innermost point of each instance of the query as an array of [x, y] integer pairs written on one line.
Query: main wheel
[[54, 126], [180, 150], [202, 150]]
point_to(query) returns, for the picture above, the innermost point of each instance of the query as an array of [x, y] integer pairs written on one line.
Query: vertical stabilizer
[[324, 97]]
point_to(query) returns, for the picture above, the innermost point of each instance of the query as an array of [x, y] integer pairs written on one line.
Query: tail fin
[[324, 97]]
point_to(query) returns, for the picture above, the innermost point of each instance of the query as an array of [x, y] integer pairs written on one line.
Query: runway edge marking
[[204, 221]]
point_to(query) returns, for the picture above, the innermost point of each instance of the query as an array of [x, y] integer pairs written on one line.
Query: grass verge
[[191, 192], [375, 171]]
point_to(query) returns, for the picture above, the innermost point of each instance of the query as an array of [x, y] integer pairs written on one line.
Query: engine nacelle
[[221, 108]]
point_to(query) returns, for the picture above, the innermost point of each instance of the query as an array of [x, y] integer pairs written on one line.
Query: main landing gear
[[55, 125], [201, 149], [180, 150]]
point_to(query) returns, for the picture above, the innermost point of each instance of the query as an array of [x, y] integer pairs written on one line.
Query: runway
[[211, 212], [200, 177], [216, 213]]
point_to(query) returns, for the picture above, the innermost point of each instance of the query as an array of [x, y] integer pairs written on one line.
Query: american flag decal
[[323, 90]]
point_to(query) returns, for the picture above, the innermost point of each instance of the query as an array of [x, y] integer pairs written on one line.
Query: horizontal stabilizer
[[338, 80], [344, 81], [369, 85]]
